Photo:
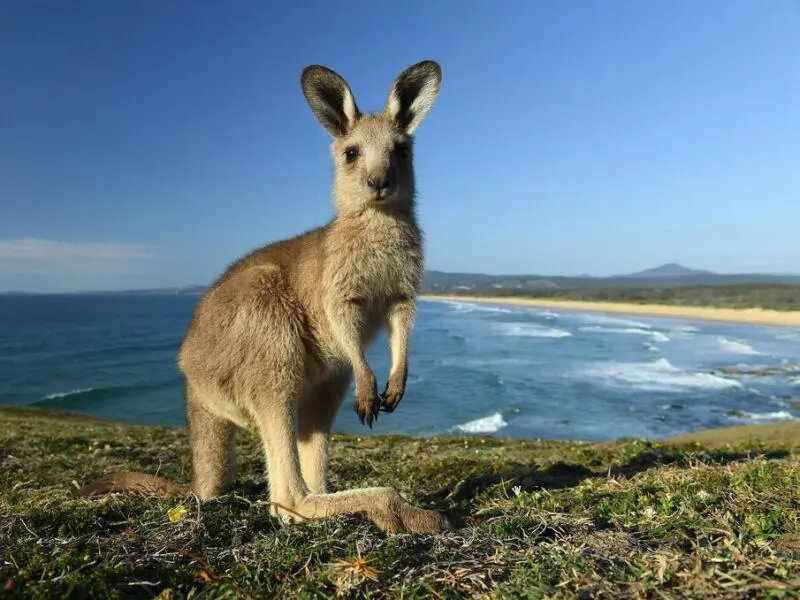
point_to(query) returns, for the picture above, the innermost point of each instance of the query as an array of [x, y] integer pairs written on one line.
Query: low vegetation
[[771, 297], [715, 515]]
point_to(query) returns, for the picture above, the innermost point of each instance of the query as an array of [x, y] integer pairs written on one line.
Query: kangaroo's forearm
[[346, 319], [400, 321], [347, 322]]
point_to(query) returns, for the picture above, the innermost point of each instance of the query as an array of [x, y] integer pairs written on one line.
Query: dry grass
[[629, 519]]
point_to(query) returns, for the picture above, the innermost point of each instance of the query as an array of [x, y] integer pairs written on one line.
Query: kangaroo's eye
[[351, 154], [402, 150]]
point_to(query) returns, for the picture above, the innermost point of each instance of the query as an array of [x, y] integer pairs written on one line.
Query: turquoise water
[[497, 370]]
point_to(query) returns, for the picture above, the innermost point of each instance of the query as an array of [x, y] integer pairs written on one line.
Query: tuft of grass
[[712, 515]]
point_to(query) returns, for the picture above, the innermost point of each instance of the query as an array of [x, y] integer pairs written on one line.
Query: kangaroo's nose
[[379, 183]]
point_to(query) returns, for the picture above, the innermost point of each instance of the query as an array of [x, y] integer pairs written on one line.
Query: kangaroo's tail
[[140, 483]]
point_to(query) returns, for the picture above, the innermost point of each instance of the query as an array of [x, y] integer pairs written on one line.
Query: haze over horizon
[[666, 273], [150, 145]]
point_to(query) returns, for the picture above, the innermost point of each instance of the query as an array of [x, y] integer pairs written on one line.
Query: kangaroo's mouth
[[385, 196]]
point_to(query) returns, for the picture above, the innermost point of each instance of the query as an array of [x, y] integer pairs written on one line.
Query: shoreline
[[742, 316]]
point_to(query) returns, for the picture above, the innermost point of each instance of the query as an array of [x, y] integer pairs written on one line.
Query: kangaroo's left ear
[[413, 93]]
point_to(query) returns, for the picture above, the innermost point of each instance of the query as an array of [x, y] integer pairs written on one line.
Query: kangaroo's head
[[372, 152]]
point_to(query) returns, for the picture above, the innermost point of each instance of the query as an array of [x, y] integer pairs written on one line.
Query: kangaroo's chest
[[380, 264], [388, 269]]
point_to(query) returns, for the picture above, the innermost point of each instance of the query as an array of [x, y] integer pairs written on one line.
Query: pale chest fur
[[375, 260]]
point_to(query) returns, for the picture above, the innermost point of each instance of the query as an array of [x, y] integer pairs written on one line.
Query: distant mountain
[[668, 275], [668, 270]]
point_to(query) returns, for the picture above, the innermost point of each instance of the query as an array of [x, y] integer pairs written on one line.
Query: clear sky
[[151, 143]]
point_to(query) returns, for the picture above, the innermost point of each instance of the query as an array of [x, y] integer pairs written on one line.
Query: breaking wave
[[657, 376], [532, 330], [656, 336], [80, 398], [468, 307], [781, 415], [614, 321], [489, 424], [59, 395], [547, 314], [791, 335], [738, 347], [685, 328]]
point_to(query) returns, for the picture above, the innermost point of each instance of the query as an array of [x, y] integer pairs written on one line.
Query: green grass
[[714, 515]]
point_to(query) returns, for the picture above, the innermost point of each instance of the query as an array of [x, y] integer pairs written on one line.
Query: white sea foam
[[790, 335], [781, 415], [494, 362], [532, 330], [651, 347], [756, 392], [468, 307], [75, 392], [547, 314], [657, 376], [488, 424], [685, 328], [656, 336], [794, 381], [603, 320], [738, 347]]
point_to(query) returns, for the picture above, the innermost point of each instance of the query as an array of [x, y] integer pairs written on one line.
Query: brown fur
[[274, 343]]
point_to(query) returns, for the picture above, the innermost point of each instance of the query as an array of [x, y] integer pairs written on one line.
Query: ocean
[[474, 368]]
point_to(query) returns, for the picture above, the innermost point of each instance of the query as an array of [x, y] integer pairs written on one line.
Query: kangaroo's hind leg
[[294, 501], [316, 414], [211, 438]]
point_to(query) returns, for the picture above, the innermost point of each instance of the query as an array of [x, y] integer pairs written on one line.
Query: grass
[[704, 516]]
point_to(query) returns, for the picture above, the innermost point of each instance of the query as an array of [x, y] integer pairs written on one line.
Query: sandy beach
[[751, 316]]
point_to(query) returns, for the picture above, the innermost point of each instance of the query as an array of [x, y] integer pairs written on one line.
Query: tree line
[[771, 297]]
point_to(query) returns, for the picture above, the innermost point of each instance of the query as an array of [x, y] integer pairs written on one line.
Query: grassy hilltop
[[715, 515]]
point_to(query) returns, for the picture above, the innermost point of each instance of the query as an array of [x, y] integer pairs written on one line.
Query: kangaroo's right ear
[[330, 99]]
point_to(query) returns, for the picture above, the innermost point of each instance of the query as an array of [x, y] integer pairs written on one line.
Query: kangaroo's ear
[[413, 94], [330, 99]]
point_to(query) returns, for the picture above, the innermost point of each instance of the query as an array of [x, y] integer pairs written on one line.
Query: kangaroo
[[275, 342]]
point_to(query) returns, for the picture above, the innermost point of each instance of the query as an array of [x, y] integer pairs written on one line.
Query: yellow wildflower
[[176, 513]]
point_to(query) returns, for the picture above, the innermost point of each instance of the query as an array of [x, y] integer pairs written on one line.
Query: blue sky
[[151, 143]]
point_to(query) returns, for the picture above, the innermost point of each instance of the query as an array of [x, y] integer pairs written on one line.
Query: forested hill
[[665, 276]]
